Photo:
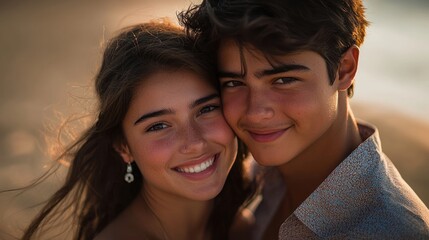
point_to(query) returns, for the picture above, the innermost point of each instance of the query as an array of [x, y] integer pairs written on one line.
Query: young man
[[286, 71]]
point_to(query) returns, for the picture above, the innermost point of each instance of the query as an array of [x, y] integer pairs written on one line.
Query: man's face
[[279, 107]]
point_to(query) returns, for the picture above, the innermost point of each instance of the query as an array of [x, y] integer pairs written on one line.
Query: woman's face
[[176, 133]]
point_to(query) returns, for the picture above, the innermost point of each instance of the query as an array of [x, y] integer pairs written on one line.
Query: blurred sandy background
[[50, 51]]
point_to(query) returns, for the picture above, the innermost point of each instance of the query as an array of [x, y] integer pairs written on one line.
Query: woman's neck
[[173, 217]]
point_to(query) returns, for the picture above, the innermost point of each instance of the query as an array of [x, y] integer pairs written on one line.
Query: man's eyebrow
[[204, 99], [275, 70], [223, 74], [153, 114], [281, 69]]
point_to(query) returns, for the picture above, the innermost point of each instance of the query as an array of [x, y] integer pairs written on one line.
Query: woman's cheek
[[219, 131], [159, 148]]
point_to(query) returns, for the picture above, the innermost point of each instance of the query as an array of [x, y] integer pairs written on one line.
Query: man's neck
[[308, 170]]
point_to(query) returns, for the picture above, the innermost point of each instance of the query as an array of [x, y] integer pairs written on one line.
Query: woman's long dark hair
[[94, 192]]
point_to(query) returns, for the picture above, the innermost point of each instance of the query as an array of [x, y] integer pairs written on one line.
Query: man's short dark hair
[[279, 27]]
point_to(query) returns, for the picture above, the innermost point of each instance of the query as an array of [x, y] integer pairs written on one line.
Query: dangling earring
[[129, 177]]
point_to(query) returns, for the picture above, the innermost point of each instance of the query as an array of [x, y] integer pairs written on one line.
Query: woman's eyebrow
[[170, 111], [204, 99], [153, 114]]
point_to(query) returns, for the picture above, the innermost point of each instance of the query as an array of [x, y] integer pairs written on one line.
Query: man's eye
[[285, 80], [156, 127], [208, 109], [232, 83]]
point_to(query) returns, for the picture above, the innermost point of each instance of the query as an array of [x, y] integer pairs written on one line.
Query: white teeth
[[197, 168]]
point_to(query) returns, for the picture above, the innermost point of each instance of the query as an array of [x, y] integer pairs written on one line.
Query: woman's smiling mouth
[[200, 169], [197, 168]]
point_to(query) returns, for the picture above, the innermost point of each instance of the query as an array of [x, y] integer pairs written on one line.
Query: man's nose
[[259, 106]]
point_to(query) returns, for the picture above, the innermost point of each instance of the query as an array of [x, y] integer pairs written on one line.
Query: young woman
[[153, 164]]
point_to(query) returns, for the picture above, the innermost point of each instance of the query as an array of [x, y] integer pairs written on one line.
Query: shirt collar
[[345, 192]]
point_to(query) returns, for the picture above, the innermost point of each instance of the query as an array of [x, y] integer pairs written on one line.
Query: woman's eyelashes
[[209, 108], [157, 127]]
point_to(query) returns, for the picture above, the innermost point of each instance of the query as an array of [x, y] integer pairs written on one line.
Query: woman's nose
[[192, 140]]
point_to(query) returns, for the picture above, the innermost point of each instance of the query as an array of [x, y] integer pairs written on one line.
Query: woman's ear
[[124, 151], [348, 67]]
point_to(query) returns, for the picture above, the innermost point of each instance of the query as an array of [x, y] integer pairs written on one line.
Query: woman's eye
[[208, 109], [285, 80], [156, 127], [232, 83]]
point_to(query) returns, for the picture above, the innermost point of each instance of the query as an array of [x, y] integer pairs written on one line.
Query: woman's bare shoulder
[[114, 230], [128, 225], [124, 226], [119, 230]]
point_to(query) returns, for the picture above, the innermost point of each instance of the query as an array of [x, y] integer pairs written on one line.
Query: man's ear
[[124, 151], [348, 67]]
